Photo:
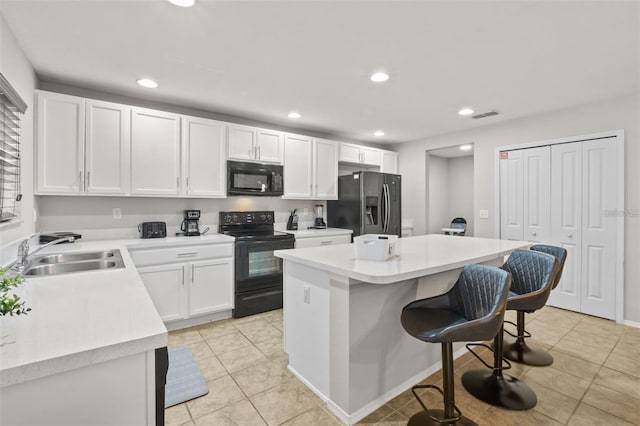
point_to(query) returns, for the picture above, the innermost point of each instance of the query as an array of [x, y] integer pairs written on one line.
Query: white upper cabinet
[[325, 169], [253, 144], [389, 163], [82, 146], [298, 166], [60, 144], [357, 154], [107, 148], [155, 153], [204, 161]]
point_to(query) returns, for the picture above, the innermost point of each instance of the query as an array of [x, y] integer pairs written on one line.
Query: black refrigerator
[[368, 203]]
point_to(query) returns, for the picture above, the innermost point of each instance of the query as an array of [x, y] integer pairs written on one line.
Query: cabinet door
[[511, 195], [107, 148], [155, 152], [326, 169], [298, 168], [166, 287], [599, 223], [537, 217], [389, 162], [242, 143], [204, 157], [370, 156], [566, 221], [270, 146], [350, 153], [60, 145], [211, 286]]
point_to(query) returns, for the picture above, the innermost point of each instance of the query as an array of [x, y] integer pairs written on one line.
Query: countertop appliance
[[319, 223], [368, 203], [292, 222], [258, 273], [191, 224], [244, 178], [152, 229]]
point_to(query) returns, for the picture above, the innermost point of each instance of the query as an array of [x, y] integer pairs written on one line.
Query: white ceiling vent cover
[[485, 114]]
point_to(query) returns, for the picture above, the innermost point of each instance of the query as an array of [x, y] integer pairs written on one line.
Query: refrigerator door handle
[[385, 212], [388, 207]]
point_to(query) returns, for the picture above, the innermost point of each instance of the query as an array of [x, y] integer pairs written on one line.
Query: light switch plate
[[484, 214]]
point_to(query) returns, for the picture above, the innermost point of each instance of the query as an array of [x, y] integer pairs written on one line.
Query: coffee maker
[[319, 223], [190, 225]]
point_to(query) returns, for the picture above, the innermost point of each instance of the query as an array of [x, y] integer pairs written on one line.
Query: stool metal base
[[499, 390], [423, 419], [522, 353]]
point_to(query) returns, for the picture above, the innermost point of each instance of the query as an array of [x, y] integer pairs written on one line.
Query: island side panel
[[306, 325]]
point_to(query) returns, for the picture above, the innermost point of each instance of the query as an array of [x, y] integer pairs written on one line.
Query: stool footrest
[[457, 414], [525, 334], [484, 345]]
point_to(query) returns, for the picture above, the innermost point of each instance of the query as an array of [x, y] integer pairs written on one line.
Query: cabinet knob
[[534, 233], [570, 235]]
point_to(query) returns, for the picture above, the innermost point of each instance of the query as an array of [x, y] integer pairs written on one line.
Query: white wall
[[461, 190], [19, 72], [438, 201], [612, 114]]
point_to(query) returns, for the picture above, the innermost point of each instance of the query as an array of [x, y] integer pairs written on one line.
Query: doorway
[[450, 194]]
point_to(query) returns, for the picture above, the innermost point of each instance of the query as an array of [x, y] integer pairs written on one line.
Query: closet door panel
[[536, 163], [599, 228], [566, 221], [511, 195]]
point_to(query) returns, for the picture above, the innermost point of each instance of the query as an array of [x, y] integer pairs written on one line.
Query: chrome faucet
[[23, 252]]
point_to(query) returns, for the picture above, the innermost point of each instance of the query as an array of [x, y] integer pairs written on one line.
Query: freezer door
[[372, 203], [345, 212]]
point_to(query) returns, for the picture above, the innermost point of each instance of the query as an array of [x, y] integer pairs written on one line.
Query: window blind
[[11, 108]]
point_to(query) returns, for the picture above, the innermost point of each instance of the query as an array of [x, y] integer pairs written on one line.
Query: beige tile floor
[[594, 380]]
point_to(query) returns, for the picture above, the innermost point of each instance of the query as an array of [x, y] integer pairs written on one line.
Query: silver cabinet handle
[[325, 243], [534, 233], [187, 183], [187, 254], [183, 276], [178, 182], [80, 185], [570, 235], [88, 180], [259, 152], [193, 273]]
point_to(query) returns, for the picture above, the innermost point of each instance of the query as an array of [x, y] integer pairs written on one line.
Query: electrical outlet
[[307, 294], [484, 214], [117, 213]]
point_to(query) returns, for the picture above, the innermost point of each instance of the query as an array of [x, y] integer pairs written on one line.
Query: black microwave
[[244, 178]]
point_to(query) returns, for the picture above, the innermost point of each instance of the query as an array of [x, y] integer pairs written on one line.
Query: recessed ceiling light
[[379, 77], [183, 3], [378, 133], [466, 147], [465, 111], [145, 82], [294, 115]]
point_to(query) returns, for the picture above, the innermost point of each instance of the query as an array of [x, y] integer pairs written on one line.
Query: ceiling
[[263, 59]]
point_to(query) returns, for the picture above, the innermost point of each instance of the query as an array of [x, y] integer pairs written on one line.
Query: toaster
[[152, 229]]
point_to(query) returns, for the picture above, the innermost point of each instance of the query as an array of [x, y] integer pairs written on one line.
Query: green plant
[[10, 304]]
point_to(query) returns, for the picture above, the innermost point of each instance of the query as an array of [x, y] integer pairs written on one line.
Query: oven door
[[256, 265]]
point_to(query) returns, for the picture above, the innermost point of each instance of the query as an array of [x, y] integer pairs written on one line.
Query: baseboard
[[388, 396], [322, 396], [200, 319], [631, 323]]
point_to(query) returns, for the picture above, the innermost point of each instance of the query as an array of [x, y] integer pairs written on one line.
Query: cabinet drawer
[[322, 241], [157, 256]]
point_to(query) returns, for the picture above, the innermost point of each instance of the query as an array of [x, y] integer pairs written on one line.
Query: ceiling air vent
[[484, 114]]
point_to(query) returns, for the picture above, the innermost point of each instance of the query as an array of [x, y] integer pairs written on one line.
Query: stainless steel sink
[[75, 257], [67, 263]]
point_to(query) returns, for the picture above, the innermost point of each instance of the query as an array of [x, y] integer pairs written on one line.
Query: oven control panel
[[247, 218]]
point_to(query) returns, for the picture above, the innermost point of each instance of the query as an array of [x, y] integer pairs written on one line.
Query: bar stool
[[472, 309], [532, 275], [519, 351]]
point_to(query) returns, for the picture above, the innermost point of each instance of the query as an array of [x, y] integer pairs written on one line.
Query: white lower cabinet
[[322, 241], [182, 289]]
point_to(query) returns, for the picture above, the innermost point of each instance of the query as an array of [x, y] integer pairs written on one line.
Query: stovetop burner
[[251, 226]]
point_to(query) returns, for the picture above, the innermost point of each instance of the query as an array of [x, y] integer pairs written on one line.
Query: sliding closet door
[[599, 209], [566, 221], [537, 217], [511, 195]]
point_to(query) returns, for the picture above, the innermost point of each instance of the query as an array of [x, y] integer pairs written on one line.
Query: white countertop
[[309, 233], [84, 318], [417, 256]]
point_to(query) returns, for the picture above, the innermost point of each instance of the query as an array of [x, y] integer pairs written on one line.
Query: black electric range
[[258, 273]]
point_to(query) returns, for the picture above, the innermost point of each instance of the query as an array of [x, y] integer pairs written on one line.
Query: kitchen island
[[342, 326]]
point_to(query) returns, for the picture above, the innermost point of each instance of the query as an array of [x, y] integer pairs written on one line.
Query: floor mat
[[184, 381]]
